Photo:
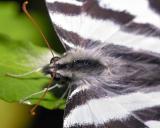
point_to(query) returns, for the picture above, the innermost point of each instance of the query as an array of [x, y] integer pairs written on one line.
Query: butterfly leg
[[40, 92]]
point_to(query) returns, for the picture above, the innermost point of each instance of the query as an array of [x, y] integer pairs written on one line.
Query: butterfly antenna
[[40, 99], [24, 8]]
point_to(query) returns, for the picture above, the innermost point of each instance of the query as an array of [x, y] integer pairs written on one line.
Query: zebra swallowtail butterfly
[[112, 62]]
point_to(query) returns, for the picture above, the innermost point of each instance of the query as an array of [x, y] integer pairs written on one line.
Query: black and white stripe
[[87, 108], [134, 24], [114, 22]]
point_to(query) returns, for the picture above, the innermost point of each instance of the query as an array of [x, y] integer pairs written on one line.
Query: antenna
[[40, 99], [24, 8]]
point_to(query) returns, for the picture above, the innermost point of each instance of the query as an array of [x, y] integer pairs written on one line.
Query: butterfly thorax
[[98, 67], [77, 64]]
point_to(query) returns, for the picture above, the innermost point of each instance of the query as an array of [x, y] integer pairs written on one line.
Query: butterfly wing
[[134, 24], [91, 106], [132, 102]]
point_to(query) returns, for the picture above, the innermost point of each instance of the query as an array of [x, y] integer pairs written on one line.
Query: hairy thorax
[[98, 67]]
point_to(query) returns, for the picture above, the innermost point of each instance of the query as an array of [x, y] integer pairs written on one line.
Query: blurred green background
[[15, 31]]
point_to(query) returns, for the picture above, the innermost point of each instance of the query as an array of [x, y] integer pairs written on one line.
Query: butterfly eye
[[57, 77], [54, 59]]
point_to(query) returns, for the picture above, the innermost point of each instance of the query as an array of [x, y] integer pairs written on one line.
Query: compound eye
[[54, 59], [57, 77]]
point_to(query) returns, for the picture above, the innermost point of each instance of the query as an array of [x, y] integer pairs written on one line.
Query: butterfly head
[[74, 65]]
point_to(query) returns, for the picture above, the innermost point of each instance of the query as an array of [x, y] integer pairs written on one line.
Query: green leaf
[[18, 55], [16, 25]]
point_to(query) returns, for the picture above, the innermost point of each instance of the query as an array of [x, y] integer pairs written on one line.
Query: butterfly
[[111, 66]]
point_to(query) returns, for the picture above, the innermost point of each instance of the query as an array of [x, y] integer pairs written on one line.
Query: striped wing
[[135, 24], [93, 107], [132, 102], [85, 22]]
